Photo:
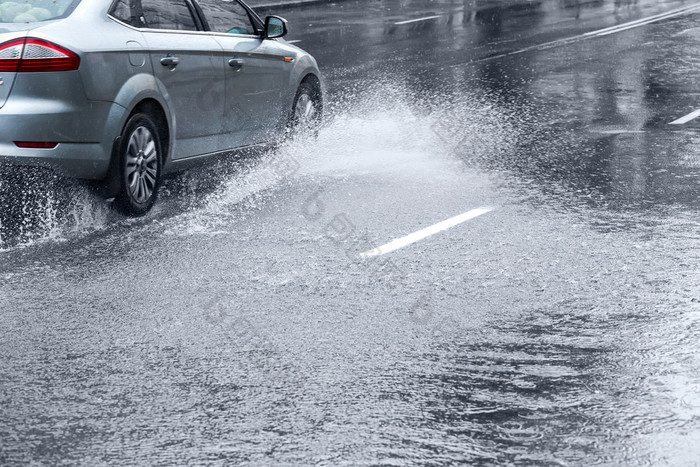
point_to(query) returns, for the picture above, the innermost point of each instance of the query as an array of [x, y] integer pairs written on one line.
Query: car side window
[[227, 16], [168, 14], [127, 12]]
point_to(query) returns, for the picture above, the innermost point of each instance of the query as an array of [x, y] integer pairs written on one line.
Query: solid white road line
[[598, 33], [425, 233], [294, 41], [642, 21], [687, 118], [427, 18]]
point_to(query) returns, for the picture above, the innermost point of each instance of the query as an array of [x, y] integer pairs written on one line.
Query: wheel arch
[[143, 91], [152, 107], [315, 82]]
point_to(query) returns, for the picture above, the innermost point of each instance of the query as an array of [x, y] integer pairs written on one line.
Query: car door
[[256, 72], [187, 65]]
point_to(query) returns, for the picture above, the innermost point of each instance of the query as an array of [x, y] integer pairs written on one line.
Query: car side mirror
[[275, 27]]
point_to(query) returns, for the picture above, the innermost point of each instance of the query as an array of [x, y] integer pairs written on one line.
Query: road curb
[[291, 3]]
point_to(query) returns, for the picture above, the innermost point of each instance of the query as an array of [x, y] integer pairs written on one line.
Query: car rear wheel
[[306, 111], [139, 166]]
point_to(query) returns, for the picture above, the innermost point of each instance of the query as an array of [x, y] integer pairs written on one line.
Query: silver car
[[123, 91]]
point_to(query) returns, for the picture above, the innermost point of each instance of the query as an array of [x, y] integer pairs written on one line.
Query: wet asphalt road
[[237, 323]]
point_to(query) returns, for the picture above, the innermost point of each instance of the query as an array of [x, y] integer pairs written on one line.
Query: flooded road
[[238, 323]]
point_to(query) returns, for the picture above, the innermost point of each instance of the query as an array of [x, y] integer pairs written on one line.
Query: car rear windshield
[[32, 11]]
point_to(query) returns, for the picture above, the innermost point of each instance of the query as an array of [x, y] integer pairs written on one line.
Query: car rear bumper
[[89, 161], [83, 134]]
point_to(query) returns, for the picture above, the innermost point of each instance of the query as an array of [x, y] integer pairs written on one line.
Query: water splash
[[376, 130], [39, 206], [370, 129]]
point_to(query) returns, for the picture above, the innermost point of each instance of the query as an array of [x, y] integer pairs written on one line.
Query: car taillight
[[10, 55], [36, 55], [41, 55]]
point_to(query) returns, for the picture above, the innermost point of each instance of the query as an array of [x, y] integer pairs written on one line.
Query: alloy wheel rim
[[305, 110], [141, 164]]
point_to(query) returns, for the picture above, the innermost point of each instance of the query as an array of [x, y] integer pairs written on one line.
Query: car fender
[[141, 87], [304, 66]]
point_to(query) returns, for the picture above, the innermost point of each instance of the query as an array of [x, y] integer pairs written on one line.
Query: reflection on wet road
[[239, 324]]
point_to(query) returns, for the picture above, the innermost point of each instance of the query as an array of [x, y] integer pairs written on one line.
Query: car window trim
[[256, 19], [253, 17], [199, 17], [184, 31], [198, 23], [112, 17], [200, 14]]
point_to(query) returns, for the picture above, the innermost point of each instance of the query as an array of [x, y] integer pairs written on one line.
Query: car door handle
[[236, 63], [170, 61]]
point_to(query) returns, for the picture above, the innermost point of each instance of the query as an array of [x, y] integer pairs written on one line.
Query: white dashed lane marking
[[417, 20], [425, 233], [685, 119]]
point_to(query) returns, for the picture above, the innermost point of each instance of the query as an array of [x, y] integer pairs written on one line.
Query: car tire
[[139, 166], [306, 111]]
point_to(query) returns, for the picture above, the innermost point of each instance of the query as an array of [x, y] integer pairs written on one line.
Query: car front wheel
[[139, 166], [306, 111]]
